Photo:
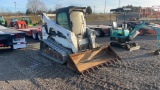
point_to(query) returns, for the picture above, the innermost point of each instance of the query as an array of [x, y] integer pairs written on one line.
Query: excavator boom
[[135, 31]]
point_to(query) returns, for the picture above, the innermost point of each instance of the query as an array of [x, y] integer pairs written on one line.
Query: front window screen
[[63, 20]]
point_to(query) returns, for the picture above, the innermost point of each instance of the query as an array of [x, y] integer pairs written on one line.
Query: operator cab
[[27, 20], [72, 18], [123, 30]]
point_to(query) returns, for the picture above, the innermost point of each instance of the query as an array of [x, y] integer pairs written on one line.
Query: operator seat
[[115, 26]]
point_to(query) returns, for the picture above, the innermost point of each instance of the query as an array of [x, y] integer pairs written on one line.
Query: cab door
[[78, 22]]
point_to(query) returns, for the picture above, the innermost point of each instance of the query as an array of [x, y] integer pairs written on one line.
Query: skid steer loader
[[68, 40]]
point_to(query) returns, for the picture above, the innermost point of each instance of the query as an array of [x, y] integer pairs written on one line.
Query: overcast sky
[[9, 5]]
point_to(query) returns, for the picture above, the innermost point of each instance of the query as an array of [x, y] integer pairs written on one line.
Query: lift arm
[[135, 31], [60, 34]]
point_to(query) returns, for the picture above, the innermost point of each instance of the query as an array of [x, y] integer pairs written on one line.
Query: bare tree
[[8, 12], [35, 5], [43, 6], [2, 11]]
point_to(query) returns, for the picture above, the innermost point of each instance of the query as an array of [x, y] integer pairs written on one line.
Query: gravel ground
[[26, 69]]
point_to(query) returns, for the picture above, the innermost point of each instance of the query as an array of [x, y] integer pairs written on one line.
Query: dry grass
[[89, 18], [35, 19], [99, 17]]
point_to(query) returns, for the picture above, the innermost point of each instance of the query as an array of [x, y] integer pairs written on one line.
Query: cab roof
[[70, 9], [120, 9]]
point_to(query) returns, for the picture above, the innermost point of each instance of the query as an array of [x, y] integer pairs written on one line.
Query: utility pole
[[15, 6], [119, 3], [105, 7], [94, 9]]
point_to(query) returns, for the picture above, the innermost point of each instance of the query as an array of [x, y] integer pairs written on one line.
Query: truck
[[32, 31], [12, 38]]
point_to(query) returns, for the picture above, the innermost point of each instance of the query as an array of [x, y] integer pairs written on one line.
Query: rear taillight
[[1, 45], [22, 42]]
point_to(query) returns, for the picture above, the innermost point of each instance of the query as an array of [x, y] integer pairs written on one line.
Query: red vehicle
[[33, 31], [144, 31]]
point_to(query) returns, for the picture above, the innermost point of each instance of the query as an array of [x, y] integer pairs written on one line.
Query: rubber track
[[58, 48]]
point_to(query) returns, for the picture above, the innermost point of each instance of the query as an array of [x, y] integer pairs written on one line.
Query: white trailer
[[101, 30]]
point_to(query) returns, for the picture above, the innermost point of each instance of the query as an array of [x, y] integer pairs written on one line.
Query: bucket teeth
[[83, 74], [88, 71], [118, 61], [106, 64], [114, 61], [97, 67], [92, 69], [101, 65], [110, 63]]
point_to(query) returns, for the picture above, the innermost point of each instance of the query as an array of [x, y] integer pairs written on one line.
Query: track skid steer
[[68, 40]]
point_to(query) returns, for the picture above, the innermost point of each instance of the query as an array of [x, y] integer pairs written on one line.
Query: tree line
[[36, 7]]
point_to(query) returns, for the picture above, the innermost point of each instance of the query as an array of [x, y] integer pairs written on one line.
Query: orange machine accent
[[150, 12], [145, 12], [20, 25]]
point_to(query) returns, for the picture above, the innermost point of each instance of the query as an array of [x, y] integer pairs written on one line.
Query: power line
[[94, 9], [15, 6]]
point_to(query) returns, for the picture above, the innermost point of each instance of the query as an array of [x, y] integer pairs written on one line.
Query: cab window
[[63, 20]]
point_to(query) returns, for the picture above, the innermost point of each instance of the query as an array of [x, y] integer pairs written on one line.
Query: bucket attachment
[[84, 61]]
